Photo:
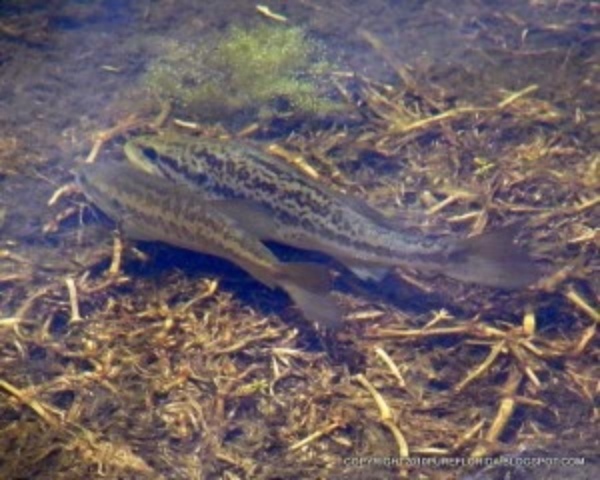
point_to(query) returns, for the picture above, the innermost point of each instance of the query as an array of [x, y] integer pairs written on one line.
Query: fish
[[276, 202], [150, 208]]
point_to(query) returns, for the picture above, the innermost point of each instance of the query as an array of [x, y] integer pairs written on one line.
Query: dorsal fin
[[366, 210]]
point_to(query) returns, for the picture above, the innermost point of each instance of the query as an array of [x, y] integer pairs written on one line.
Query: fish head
[[147, 152]]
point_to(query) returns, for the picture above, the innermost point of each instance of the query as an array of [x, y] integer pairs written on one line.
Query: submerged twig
[[506, 409], [315, 436], [483, 367], [75, 316], [576, 299], [387, 419], [117, 256]]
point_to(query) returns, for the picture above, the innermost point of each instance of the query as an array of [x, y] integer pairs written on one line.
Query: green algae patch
[[267, 69]]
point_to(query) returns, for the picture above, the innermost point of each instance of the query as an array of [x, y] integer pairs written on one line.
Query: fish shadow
[[164, 259]]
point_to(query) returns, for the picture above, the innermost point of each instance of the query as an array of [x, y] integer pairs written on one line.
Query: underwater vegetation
[[269, 69]]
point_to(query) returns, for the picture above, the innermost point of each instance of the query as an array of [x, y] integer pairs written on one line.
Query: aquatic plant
[[267, 68]]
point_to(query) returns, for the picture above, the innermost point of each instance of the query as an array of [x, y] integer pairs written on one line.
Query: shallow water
[[70, 69]]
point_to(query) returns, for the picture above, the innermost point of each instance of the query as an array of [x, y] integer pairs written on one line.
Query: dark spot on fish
[[151, 153], [213, 161]]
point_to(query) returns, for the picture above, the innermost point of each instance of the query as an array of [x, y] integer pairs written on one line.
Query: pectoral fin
[[248, 215], [134, 231]]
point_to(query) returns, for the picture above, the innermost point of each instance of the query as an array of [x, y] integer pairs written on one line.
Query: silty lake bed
[[124, 359]]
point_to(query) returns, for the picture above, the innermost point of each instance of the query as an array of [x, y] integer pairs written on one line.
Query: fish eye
[[150, 152]]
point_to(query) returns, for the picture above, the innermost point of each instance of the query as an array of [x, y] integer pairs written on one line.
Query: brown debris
[[150, 363]]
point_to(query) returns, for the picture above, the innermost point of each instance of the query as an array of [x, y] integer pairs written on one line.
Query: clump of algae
[[244, 69]]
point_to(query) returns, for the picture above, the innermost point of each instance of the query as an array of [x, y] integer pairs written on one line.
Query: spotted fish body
[[304, 212], [277, 202], [147, 207]]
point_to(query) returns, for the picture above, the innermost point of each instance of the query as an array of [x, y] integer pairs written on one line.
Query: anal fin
[[367, 272], [308, 285]]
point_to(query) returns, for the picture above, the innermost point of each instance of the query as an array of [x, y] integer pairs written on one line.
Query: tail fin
[[492, 259], [308, 285]]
